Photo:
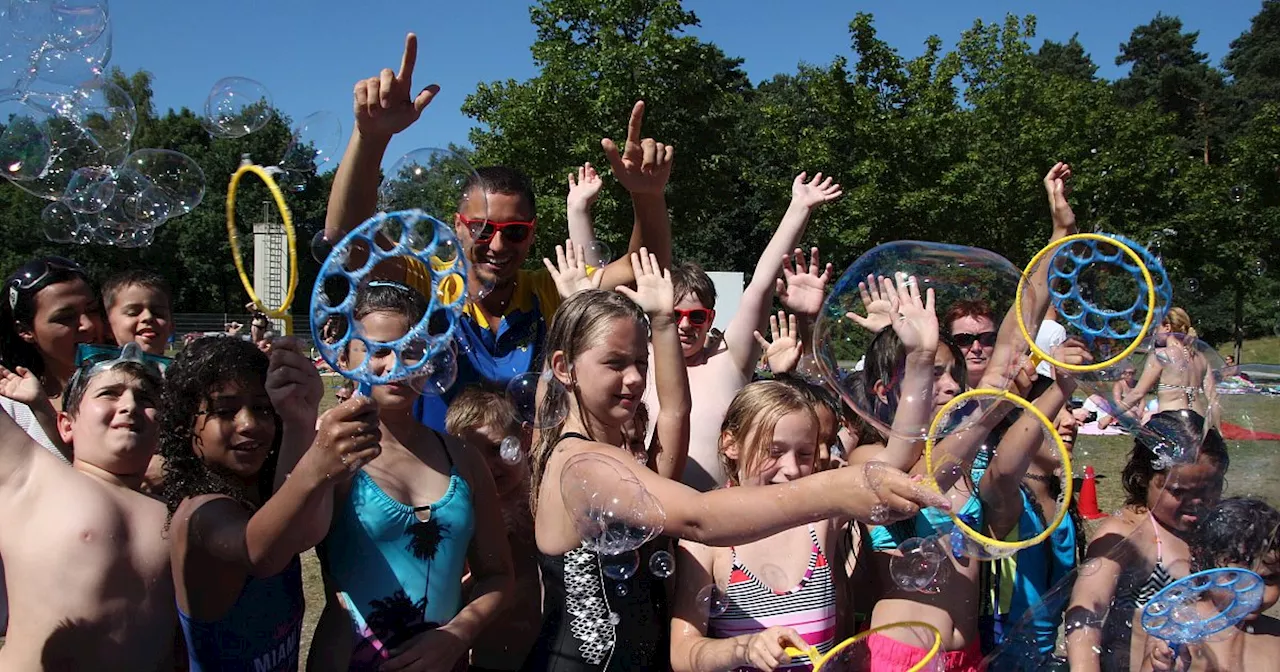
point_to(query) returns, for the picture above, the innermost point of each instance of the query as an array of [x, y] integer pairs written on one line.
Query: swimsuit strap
[[571, 435], [1155, 529], [444, 445]]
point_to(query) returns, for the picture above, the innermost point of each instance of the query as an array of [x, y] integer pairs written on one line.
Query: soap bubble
[[919, 563], [148, 208], [510, 450], [236, 107], [175, 176], [433, 180], [90, 190], [527, 389], [1259, 267], [712, 600], [1237, 193], [320, 247], [78, 23], [956, 274], [661, 564], [58, 222], [315, 146], [30, 20], [440, 372], [611, 510], [24, 144], [621, 566], [1192, 285], [598, 254], [81, 66]]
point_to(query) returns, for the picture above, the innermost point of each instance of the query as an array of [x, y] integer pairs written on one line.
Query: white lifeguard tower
[[270, 263]]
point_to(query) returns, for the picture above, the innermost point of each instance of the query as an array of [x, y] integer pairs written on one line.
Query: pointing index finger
[[410, 57], [633, 126]]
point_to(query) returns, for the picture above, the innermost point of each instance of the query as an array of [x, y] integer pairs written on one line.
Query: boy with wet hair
[[139, 309], [86, 561]]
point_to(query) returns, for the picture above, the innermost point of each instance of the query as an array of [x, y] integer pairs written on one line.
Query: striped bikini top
[[1137, 596], [810, 607]]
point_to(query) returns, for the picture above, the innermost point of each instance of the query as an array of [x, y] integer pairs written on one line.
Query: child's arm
[[570, 270], [583, 191], [782, 352], [655, 295], [17, 451], [1092, 595], [755, 305], [24, 387], [802, 290], [643, 168], [691, 649], [492, 578], [296, 517], [295, 389]]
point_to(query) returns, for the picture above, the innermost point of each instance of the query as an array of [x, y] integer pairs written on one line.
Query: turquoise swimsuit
[[927, 523], [398, 569]]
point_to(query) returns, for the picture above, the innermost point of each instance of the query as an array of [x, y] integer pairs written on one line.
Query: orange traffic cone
[[1089, 496]]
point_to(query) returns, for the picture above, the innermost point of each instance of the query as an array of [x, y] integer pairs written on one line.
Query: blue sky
[[309, 53]]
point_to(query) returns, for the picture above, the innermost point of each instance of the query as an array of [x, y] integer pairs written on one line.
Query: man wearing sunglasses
[[86, 559], [510, 307], [973, 330]]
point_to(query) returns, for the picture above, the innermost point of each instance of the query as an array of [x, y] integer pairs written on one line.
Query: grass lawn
[[1255, 351]]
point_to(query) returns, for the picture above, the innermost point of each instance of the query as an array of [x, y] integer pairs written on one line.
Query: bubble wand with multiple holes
[[282, 311], [382, 237], [1175, 615]]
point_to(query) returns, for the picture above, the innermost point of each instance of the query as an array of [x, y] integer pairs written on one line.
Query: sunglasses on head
[[34, 274], [94, 359], [696, 316], [986, 339], [483, 230]]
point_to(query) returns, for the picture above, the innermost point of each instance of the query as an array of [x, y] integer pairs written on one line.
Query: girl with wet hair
[[1144, 546]]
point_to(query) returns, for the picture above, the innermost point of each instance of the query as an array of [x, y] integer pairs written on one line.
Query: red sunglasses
[[696, 316], [483, 230]]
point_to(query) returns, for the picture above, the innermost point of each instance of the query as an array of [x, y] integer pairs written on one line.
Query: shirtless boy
[[718, 368], [86, 562]]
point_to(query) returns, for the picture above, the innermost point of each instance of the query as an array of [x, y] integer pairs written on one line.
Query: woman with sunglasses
[[48, 308]]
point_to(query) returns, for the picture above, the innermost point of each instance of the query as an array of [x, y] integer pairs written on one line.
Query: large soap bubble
[[964, 280], [610, 508], [78, 23], [176, 176], [236, 107], [78, 66], [24, 144], [315, 146], [433, 180]]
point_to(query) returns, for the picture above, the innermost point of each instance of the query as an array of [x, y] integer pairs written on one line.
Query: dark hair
[[886, 357], [196, 374], [815, 394], [1238, 531], [79, 384], [18, 307], [1166, 431], [135, 278], [687, 277], [381, 296], [503, 180], [966, 308]]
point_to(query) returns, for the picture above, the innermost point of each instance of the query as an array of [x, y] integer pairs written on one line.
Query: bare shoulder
[[199, 516], [865, 453]]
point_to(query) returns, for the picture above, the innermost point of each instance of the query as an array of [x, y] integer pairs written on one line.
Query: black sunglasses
[[986, 338], [34, 275]]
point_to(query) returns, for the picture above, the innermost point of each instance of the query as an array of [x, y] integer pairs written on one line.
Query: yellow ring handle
[[1038, 353], [819, 660], [281, 312], [1062, 451]]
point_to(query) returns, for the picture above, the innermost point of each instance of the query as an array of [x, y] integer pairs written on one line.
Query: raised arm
[[756, 302], [295, 389], [584, 188], [643, 168], [655, 294], [1092, 595], [297, 515], [24, 387], [384, 105], [17, 450]]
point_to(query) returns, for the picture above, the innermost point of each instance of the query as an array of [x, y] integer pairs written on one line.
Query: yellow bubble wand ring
[[1062, 452], [1038, 353], [281, 312], [819, 660]]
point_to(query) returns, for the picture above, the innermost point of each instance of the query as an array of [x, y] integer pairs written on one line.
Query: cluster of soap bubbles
[[68, 133]]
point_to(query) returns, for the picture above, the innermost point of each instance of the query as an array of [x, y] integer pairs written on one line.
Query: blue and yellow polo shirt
[[497, 356]]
